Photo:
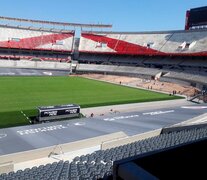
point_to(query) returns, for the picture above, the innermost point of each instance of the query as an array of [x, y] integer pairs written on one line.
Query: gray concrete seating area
[[194, 62], [99, 164], [189, 76], [163, 61], [93, 57], [143, 61], [34, 64], [117, 69]]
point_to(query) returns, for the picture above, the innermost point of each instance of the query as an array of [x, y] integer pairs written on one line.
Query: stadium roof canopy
[[65, 24]]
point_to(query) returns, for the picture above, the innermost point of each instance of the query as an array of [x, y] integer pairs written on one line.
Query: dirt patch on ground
[[146, 84]]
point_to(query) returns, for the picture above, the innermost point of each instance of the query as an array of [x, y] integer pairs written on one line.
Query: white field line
[[25, 116]]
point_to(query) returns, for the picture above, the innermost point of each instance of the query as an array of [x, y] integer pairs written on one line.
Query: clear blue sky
[[124, 15]]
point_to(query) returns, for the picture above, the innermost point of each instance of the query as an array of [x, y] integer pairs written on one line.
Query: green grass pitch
[[26, 93]]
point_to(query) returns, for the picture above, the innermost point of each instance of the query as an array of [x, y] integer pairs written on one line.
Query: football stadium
[[102, 104]]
